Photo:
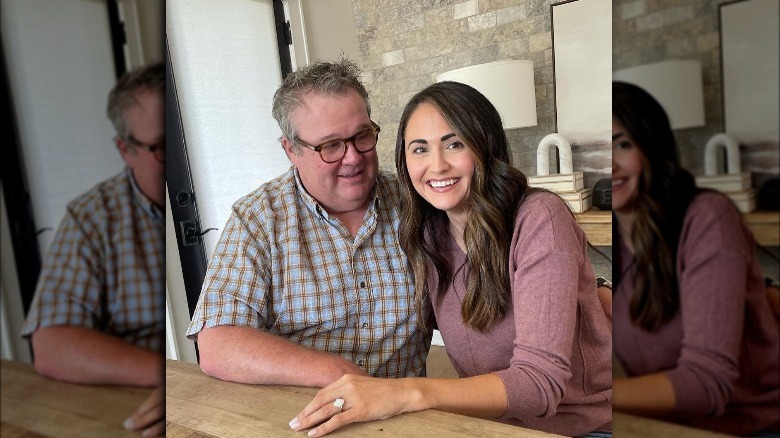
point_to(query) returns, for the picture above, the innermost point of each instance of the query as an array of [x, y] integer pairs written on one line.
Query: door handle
[[190, 233]]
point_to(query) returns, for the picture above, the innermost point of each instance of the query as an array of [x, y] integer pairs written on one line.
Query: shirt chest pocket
[[310, 307]]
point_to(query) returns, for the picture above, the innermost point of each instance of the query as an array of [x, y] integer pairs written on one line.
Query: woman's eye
[[419, 150], [455, 145], [622, 145]]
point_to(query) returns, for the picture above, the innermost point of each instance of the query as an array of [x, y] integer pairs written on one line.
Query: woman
[[505, 272], [688, 288]]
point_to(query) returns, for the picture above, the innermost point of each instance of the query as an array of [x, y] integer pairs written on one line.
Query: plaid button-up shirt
[[285, 266], [105, 268]]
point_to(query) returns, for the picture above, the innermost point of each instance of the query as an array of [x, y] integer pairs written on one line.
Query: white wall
[[61, 68], [330, 28], [226, 64], [11, 313]]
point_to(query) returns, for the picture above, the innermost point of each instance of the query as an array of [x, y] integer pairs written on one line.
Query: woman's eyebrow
[[423, 141]]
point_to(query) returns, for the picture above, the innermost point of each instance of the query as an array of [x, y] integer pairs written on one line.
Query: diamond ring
[[339, 403]]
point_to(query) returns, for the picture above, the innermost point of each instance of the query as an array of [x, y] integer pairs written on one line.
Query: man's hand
[[150, 417]]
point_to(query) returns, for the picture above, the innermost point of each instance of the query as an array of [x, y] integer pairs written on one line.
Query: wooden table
[[34, 406], [201, 406], [765, 226], [597, 225], [630, 426]]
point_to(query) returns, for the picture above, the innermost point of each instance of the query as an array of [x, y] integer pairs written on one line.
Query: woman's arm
[[368, 399], [712, 271]]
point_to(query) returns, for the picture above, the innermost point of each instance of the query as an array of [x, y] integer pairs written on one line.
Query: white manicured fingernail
[[295, 423], [129, 423], [313, 432]]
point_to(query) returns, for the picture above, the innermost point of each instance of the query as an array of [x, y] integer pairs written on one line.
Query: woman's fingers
[[325, 411], [337, 421], [151, 411]]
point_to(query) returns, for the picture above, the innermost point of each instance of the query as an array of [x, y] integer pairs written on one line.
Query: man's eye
[[365, 135], [331, 146]]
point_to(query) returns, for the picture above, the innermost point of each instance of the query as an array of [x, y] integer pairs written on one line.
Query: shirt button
[[365, 325], [363, 284], [360, 362]]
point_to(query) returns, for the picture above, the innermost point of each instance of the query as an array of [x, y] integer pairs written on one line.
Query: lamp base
[[578, 201], [558, 182], [732, 182], [745, 200]]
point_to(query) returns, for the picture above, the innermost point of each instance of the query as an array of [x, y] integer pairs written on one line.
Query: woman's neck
[[625, 221], [457, 225]]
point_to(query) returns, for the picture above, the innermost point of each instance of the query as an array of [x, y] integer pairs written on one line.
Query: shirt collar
[[315, 206], [146, 204]]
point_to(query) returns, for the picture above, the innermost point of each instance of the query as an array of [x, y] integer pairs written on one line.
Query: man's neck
[[353, 219], [153, 189]]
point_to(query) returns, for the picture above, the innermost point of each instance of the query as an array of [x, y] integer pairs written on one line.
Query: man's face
[[343, 186], [146, 126]]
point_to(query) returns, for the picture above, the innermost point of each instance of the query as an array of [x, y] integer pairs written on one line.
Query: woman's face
[[627, 165], [439, 163]]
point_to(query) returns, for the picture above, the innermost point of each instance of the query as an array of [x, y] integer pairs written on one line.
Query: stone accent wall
[[646, 31], [404, 44]]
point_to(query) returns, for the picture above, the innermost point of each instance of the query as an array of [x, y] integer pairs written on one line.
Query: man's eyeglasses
[[158, 149], [334, 150]]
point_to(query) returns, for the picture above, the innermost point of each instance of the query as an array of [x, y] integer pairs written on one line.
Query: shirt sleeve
[[547, 256], [71, 287], [712, 279], [235, 287]]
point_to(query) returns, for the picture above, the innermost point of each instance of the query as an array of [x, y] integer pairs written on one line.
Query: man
[[97, 316], [308, 281]]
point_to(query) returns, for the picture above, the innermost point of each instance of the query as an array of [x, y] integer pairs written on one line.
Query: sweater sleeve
[[712, 271], [546, 257]]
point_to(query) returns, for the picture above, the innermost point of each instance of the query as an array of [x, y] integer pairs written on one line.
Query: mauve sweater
[[552, 350], [721, 349]]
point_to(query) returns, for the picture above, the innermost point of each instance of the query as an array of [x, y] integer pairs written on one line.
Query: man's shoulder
[[388, 188], [271, 194], [102, 195]]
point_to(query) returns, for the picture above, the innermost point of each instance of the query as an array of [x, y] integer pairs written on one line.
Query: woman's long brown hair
[[665, 191], [496, 192]]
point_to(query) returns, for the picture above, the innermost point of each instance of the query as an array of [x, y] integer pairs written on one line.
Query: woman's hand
[[365, 399], [150, 417]]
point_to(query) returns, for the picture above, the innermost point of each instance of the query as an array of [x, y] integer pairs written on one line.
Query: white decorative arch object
[[543, 154], [733, 165]]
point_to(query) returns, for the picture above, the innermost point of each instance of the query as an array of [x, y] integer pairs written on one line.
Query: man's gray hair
[[149, 77], [325, 77]]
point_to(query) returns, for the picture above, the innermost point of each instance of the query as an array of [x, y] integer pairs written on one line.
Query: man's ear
[[121, 146], [287, 145]]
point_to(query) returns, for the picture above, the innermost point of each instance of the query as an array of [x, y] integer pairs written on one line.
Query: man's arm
[[83, 355], [248, 355]]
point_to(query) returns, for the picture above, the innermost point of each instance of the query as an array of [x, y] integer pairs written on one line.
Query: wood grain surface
[[34, 406], [630, 426], [201, 406]]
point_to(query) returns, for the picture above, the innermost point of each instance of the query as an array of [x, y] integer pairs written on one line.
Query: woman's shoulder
[[713, 219], [543, 202], [543, 207], [709, 200], [711, 206]]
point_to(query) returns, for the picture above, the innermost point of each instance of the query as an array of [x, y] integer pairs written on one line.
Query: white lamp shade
[[675, 84], [509, 85]]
